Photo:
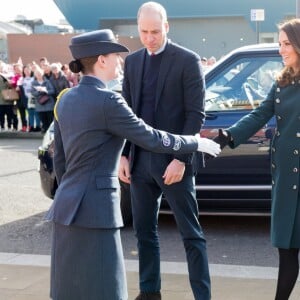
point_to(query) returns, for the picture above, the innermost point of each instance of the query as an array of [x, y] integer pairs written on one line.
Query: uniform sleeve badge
[[166, 140], [177, 144]]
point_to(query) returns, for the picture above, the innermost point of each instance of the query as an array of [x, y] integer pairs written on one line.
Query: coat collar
[[166, 62], [92, 80]]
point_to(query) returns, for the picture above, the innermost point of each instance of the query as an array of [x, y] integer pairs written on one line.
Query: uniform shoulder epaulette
[[57, 101]]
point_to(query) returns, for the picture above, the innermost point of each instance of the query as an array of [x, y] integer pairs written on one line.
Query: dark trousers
[[22, 111], [15, 120], [46, 117], [6, 110], [146, 188]]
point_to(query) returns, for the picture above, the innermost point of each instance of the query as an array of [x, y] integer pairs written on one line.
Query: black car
[[238, 181]]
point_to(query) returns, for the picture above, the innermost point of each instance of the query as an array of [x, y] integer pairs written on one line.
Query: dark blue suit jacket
[[179, 100]]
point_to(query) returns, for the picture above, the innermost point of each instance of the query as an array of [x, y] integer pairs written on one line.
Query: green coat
[[284, 104]]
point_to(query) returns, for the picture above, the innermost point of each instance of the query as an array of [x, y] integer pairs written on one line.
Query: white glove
[[208, 146]]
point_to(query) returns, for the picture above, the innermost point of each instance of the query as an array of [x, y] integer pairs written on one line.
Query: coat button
[[298, 134], [278, 90], [273, 182], [296, 152], [273, 149], [278, 133], [273, 166], [295, 170], [294, 187], [277, 100]]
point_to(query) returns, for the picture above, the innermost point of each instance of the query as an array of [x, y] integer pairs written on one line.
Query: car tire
[[126, 203]]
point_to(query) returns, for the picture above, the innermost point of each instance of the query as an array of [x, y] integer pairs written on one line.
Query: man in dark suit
[[164, 85]]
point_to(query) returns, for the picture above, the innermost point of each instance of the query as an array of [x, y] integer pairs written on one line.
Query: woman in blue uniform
[[90, 125], [283, 102]]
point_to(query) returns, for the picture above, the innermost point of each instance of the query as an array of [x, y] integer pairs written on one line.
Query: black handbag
[[43, 99]]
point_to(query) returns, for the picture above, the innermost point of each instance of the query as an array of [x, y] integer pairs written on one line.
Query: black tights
[[288, 272]]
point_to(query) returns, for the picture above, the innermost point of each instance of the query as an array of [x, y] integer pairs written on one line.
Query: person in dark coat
[[164, 85], [283, 103], [90, 125], [41, 86], [58, 79]]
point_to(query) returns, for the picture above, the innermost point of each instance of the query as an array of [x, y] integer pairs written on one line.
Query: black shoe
[[148, 296], [37, 129]]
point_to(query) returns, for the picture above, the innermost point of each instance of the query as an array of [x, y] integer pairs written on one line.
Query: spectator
[[42, 86], [14, 82], [46, 67], [22, 102], [43, 61], [211, 61], [58, 79], [204, 61], [71, 77], [33, 65], [6, 107], [33, 116]]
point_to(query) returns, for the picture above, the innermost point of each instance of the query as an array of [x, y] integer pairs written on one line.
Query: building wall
[[224, 24], [53, 46], [32, 47], [206, 36], [212, 36], [89, 14], [3, 47]]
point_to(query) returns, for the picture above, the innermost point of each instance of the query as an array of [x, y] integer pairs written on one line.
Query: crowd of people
[[27, 113], [207, 63]]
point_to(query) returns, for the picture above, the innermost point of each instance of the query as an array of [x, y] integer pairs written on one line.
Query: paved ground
[[26, 277], [18, 134]]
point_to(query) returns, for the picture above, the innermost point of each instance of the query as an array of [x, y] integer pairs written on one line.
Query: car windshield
[[242, 84]]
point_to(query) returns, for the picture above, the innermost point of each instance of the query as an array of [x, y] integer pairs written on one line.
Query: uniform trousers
[[146, 188]]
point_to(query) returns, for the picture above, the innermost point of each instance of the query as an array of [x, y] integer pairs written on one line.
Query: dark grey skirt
[[87, 264]]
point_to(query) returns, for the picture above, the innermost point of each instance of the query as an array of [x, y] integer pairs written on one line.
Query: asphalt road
[[230, 239]]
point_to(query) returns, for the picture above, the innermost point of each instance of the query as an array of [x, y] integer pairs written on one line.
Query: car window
[[243, 84]]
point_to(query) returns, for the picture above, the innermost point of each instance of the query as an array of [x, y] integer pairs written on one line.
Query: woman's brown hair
[[84, 65], [292, 30]]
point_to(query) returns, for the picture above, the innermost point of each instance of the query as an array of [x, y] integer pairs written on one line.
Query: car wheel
[[126, 203]]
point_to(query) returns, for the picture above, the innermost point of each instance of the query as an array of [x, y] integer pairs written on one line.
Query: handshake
[[213, 147]]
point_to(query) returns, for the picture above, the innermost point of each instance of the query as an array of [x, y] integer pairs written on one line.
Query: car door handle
[[211, 117]]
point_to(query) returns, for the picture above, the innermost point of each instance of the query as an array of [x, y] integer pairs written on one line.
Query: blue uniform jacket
[[91, 125]]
